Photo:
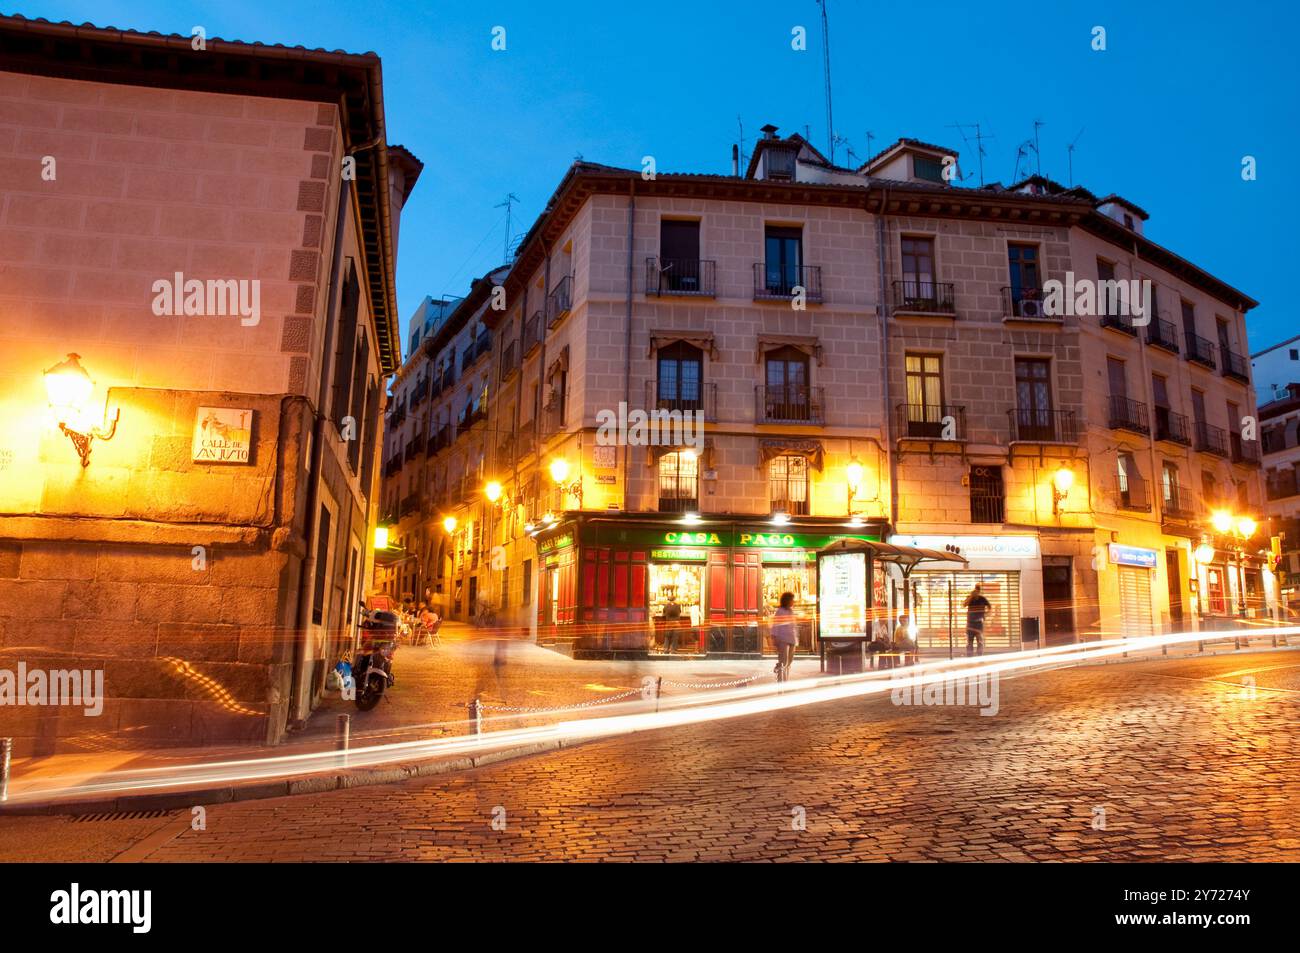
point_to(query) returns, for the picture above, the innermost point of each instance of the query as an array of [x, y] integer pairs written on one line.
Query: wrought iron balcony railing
[[1177, 503], [924, 296], [1163, 334], [1200, 350], [1172, 427], [509, 360], [931, 422], [774, 282], [1043, 426], [681, 276], [559, 301], [532, 333], [1244, 451], [1235, 366], [1120, 322], [1026, 304], [1130, 415], [1131, 494], [1211, 439], [789, 405], [1281, 484], [686, 398]]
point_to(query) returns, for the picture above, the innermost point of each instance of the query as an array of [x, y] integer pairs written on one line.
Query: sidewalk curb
[[311, 784]]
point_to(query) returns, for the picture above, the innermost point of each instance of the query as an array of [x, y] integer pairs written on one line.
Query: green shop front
[[632, 585]]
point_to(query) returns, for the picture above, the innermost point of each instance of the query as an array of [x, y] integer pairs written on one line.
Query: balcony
[[1131, 494], [923, 296], [779, 284], [1123, 323], [1235, 366], [1243, 451], [411, 503], [483, 345], [509, 361], [469, 415], [1200, 350], [1163, 334], [1177, 504], [439, 440], [789, 405], [1211, 439], [1172, 427], [680, 398], [1280, 484], [1043, 426], [532, 333], [1130, 415], [931, 422], [560, 301], [686, 277], [1026, 304], [466, 359]]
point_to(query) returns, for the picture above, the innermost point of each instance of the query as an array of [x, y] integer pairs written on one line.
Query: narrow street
[[1179, 759]]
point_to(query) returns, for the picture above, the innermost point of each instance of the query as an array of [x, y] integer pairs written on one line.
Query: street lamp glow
[[381, 537], [449, 524], [780, 519], [1221, 520], [691, 518], [854, 474], [1063, 480], [492, 491], [1246, 527], [559, 469], [68, 386], [1205, 554]]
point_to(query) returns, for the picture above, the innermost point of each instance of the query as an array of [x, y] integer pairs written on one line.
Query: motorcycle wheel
[[367, 697]]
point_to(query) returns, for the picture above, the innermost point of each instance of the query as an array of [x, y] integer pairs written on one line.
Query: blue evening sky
[[1184, 90]]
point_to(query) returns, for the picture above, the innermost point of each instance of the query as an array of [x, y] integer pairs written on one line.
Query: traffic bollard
[[475, 716], [343, 735]]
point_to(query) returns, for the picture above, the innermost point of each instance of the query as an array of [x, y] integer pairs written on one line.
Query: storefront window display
[[679, 584], [800, 579]]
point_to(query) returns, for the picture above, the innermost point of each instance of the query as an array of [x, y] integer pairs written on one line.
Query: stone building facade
[[209, 555], [872, 354]]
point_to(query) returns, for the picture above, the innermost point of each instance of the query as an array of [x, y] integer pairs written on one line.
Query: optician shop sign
[[976, 547], [1132, 556]]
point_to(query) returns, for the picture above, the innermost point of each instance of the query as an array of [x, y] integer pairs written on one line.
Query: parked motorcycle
[[372, 670]]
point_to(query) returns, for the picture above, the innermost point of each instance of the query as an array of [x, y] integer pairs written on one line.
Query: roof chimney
[[768, 131], [735, 159]]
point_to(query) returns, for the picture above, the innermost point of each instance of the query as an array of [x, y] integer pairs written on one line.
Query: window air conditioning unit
[[1031, 308]]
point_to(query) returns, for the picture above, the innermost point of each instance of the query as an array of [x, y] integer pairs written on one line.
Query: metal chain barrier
[[485, 706], [703, 685]]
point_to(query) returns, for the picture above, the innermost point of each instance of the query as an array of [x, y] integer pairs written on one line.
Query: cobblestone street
[[1180, 759]]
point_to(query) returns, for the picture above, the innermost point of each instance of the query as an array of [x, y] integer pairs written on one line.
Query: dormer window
[[927, 168], [780, 162]]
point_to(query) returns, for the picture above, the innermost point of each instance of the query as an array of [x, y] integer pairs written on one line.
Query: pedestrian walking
[[785, 636], [977, 608]]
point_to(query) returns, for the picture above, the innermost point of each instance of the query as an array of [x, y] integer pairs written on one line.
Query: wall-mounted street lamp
[[853, 477], [68, 388], [1062, 481], [381, 537], [492, 491], [449, 523], [560, 470]]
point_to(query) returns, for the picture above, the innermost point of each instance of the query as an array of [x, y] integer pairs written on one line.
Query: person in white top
[[785, 636]]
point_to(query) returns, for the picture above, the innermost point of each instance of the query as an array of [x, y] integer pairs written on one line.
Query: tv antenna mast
[[1069, 151], [826, 64], [848, 148], [979, 138], [1038, 156], [508, 205]]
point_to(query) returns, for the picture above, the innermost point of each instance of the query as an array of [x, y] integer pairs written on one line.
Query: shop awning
[[905, 557]]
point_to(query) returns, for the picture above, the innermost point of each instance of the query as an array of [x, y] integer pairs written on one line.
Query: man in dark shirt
[[976, 608]]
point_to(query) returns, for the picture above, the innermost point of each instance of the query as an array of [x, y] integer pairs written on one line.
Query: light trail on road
[[623, 718]]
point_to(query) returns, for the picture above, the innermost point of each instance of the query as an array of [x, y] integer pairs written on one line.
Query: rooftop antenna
[[1069, 151], [1038, 156], [979, 138], [508, 205], [826, 63], [870, 136], [848, 148], [744, 157], [1023, 151]]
